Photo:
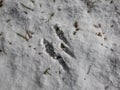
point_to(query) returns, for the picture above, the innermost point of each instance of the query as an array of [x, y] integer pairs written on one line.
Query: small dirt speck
[[29, 46], [105, 38], [10, 43], [99, 34], [111, 49], [74, 33], [34, 48], [111, 26], [97, 26], [39, 53]]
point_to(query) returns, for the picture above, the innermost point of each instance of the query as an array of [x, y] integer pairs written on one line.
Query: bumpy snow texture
[[59, 44]]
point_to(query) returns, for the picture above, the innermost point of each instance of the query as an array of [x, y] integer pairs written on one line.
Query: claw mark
[[49, 48], [61, 35], [62, 62], [67, 50]]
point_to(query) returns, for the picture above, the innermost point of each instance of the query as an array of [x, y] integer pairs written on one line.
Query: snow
[[37, 55]]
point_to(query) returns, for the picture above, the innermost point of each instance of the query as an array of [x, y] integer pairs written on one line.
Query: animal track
[[67, 50], [61, 35], [62, 62], [50, 50]]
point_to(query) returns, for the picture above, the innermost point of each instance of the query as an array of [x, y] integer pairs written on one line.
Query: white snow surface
[[86, 56]]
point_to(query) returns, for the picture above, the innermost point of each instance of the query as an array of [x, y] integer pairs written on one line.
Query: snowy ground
[[59, 44]]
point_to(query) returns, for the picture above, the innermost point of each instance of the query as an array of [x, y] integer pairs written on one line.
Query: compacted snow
[[59, 44]]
